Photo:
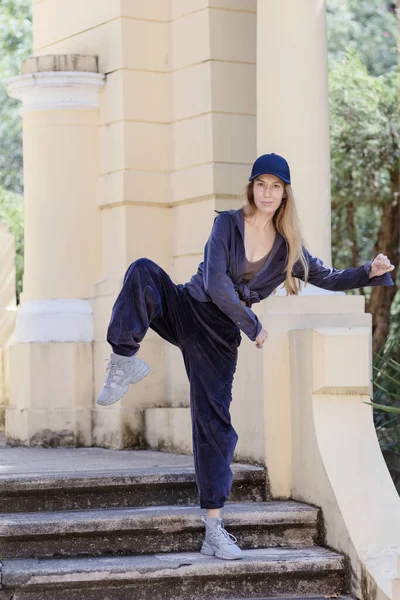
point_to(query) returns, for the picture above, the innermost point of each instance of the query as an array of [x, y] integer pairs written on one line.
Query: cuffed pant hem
[[122, 352]]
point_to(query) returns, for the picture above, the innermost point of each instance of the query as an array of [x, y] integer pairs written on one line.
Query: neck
[[263, 222]]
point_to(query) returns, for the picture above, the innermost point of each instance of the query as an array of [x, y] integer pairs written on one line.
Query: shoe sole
[[208, 551], [139, 375]]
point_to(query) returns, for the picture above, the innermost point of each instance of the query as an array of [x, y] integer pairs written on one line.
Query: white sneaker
[[218, 542], [120, 372]]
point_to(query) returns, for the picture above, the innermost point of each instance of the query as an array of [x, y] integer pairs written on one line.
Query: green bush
[[386, 395]]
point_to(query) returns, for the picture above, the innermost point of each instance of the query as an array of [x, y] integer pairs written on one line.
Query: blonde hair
[[287, 222]]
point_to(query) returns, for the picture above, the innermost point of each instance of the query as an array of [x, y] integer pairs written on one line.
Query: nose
[[267, 192]]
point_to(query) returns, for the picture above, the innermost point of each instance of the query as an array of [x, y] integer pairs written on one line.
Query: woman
[[249, 253]]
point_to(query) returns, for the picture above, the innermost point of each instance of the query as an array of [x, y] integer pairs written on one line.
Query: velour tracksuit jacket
[[219, 276]]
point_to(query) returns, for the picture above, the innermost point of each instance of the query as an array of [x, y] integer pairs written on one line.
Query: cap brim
[[258, 174]]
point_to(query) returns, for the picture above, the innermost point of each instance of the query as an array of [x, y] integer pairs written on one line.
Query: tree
[[364, 88], [12, 213], [368, 27], [15, 45]]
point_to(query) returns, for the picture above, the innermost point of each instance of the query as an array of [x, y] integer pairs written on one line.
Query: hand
[[380, 265], [260, 339]]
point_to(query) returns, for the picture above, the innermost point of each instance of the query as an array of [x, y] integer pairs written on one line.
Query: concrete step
[[335, 596], [267, 572], [148, 530], [147, 486]]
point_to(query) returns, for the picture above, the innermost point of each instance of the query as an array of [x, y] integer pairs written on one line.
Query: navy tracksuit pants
[[208, 340]]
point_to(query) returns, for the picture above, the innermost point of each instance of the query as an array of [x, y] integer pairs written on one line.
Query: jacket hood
[[237, 217]]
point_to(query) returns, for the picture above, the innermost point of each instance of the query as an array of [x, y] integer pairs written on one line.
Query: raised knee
[[143, 264]]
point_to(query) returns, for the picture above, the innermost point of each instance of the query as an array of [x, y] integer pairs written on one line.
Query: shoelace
[[228, 537], [111, 372]]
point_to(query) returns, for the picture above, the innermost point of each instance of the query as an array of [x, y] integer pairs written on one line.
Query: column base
[[51, 394], [169, 429], [118, 428]]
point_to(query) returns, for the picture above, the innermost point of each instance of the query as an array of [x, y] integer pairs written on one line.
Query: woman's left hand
[[380, 265]]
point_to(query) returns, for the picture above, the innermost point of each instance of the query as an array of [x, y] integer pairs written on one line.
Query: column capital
[[50, 88]]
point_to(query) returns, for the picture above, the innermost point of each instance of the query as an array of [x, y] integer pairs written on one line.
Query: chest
[[257, 243]]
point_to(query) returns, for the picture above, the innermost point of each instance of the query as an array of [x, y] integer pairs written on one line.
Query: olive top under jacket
[[219, 276]]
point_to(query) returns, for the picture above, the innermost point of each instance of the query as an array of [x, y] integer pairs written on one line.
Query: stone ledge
[[60, 62]]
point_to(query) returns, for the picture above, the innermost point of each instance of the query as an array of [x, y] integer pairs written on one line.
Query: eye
[[260, 183]]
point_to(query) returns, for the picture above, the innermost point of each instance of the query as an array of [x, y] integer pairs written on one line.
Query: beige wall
[[177, 114], [177, 138], [293, 109]]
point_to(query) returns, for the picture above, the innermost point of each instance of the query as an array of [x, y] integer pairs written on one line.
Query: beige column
[[212, 74], [51, 359], [292, 120], [177, 139], [212, 96], [133, 197], [292, 106]]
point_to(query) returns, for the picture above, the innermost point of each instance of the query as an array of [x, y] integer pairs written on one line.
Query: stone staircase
[[136, 534]]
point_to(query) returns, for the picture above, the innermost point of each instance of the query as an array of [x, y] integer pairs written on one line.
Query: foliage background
[[364, 113], [15, 45]]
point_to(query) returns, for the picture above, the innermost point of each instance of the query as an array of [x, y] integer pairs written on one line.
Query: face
[[268, 191]]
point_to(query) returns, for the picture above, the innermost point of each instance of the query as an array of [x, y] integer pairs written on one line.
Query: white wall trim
[[51, 90], [54, 321], [309, 290]]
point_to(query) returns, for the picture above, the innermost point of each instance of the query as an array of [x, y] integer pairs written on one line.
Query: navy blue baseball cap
[[271, 164]]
